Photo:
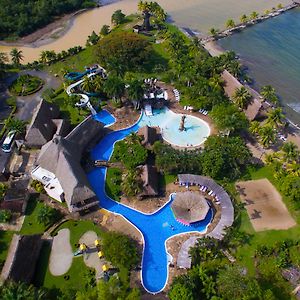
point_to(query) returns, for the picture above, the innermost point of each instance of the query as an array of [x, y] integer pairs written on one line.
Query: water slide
[[85, 100]]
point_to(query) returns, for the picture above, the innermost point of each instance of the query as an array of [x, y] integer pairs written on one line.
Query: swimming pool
[[155, 228], [105, 117]]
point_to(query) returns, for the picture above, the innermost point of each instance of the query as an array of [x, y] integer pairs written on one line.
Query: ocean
[[271, 51]]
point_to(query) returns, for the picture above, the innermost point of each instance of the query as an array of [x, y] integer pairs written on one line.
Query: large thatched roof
[[44, 124], [150, 183], [22, 257], [190, 207], [62, 157]]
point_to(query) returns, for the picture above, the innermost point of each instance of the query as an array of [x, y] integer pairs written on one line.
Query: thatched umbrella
[[189, 207]]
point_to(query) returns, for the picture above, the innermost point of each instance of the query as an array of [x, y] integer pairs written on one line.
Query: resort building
[[22, 258], [44, 125], [59, 166]]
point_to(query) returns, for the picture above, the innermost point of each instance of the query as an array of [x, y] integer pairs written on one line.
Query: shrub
[[47, 215], [5, 216], [38, 186]]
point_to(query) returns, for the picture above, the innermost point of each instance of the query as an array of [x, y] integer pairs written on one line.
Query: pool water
[[105, 117], [156, 228]]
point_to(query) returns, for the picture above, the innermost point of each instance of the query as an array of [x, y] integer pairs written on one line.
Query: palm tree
[[213, 31], [266, 12], [3, 189], [230, 23], [254, 15], [275, 117], [43, 57], [254, 127], [98, 83], [293, 169], [279, 6], [135, 92], [243, 18], [268, 92], [242, 97], [16, 56], [45, 215], [235, 68], [131, 183], [290, 152], [15, 125], [3, 59], [87, 84], [114, 87], [267, 135]]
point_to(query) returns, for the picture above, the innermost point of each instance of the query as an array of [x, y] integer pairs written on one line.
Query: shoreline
[[53, 31]]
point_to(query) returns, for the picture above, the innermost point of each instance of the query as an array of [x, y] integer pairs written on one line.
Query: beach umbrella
[[189, 207], [82, 247], [97, 243], [100, 254], [104, 268]]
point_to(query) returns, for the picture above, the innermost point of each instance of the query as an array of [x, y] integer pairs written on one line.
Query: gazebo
[[189, 207]]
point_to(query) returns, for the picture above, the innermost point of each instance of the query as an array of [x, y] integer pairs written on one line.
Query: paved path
[[61, 253]]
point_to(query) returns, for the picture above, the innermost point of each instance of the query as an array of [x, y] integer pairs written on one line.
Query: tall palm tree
[[243, 18], [135, 92], [87, 84], [230, 23], [242, 97], [254, 127], [235, 68], [114, 87], [293, 168], [275, 117], [267, 135], [254, 15], [16, 56], [15, 125], [213, 31], [131, 184], [98, 83], [3, 59], [268, 92], [43, 56], [290, 152]]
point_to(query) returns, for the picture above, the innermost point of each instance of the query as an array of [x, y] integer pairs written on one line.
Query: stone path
[[61, 253]]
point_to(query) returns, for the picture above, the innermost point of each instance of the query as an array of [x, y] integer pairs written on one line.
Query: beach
[[199, 15]]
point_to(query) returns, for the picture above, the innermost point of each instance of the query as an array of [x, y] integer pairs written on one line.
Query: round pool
[[195, 133]]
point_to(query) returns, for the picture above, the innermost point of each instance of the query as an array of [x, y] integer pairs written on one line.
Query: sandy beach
[[199, 15]]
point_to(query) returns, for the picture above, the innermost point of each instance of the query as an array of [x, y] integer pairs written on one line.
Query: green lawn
[[77, 229], [113, 182], [31, 225], [5, 239]]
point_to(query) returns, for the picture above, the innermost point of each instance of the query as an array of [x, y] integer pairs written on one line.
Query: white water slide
[[85, 100]]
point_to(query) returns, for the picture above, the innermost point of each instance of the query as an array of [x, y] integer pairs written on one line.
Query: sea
[[271, 52]]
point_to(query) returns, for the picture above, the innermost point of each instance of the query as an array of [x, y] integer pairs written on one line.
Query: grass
[[26, 85], [245, 253], [77, 229], [113, 182], [31, 225], [166, 179], [5, 239]]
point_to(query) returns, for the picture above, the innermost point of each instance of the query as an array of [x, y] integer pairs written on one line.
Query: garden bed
[[26, 85]]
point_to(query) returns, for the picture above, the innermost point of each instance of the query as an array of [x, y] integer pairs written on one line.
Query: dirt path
[[61, 253]]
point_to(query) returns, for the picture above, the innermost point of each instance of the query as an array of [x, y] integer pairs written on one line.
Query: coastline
[[53, 31]]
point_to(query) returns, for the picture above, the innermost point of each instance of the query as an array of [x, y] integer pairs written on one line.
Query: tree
[[123, 51], [230, 23], [213, 31], [243, 18], [114, 87], [98, 83], [16, 56], [267, 135], [290, 152], [254, 127], [3, 59], [254, 15], [47, 215], [120, 250], [118, 17], [131, 182], [5, 216], [268, 92], [235, 68], [135, 92], [290, 186], [92, 39], [13, 124], [242, 97], [104, 30], [279, 6], [87, 84], [228, 118], [275, 117], [3, 189], [180, 292]]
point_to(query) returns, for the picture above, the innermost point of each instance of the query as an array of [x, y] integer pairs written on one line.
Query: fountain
[[181, 126]]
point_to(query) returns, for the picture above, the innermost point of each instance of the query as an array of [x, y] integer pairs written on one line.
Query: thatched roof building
[[149, 135], [62, 157], [231, 84], [189, 207], [44, 124], [149, 177], [22, 257]]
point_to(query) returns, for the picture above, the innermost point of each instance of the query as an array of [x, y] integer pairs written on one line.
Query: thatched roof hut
[[44, 124], [149, 135], [62, 157], [150, 183], [189, 207], [22, 257]]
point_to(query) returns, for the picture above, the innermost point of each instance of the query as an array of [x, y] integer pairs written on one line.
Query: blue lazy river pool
[[156, 228]]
